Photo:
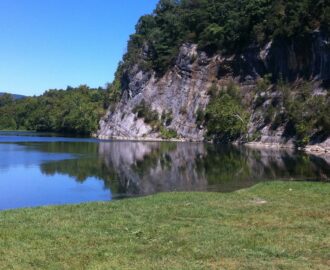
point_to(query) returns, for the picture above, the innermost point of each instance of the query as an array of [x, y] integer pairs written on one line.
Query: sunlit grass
[[280, 225]]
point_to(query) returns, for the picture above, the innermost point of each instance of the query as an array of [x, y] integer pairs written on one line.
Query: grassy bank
[[270, 226]]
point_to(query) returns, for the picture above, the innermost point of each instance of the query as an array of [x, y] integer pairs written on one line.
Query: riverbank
[[321, 149], [316, 149], [278, 225]]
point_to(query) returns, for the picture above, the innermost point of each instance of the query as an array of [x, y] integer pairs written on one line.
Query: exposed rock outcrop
[[183, 90], [180, 93]]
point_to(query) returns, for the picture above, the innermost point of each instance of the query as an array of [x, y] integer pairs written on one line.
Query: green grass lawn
[[279, 225]]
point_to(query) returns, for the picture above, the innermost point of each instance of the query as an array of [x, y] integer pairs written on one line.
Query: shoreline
[[319, 149], [144, 139], [316, 149]]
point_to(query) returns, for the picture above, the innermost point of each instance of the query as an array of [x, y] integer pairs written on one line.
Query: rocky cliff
[[178, 96], [180, 93]]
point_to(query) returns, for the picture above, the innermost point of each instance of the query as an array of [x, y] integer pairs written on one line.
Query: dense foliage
[[304, 114], [74, 110], [308, 114], [226, 26], [226, 118]]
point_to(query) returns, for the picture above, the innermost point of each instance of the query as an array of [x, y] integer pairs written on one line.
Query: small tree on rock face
[[226, 119]]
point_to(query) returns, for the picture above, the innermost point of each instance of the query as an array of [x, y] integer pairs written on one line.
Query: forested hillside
[[74, 110], [221, 26]]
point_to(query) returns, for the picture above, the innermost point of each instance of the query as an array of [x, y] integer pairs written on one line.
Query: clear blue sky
[[55, 43]]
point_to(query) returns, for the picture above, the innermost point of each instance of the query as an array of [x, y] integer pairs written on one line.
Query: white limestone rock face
[[181, 91]]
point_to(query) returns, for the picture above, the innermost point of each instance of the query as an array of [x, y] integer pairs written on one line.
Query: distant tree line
[[74, 110]]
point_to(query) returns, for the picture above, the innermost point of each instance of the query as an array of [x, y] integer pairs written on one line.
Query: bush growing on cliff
[[144, 111], [226, 119], [149, 116], [168, 133], [308, 114], [200, 117], [167, 117]]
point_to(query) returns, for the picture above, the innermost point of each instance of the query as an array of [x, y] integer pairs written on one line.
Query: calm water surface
[[42, 169]]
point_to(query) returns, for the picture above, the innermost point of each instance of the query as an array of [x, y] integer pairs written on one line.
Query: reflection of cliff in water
[[137, 168], [149, 167]]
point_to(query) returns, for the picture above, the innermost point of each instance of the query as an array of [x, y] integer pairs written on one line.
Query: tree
[[6, 99]]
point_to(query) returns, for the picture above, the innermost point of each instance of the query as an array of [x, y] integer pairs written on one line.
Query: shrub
[[200, 117], [149, 116], [308, 114], [168, 133], [167, 118], [213, 90], [263, 83], [226, 118]]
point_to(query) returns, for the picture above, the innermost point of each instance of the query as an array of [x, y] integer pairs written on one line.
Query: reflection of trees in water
[[148, 167], [86, 163], [232, 167], [80, 169], [75, 148], [285, 164]]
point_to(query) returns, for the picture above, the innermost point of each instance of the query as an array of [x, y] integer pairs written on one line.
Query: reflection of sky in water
[[12, 155], [26, 187], [22, 184]]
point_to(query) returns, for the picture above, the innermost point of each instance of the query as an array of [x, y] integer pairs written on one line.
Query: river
[[45, 169]]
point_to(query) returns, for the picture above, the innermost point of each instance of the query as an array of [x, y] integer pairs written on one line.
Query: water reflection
[[145, 168], [48, 170], [139, 168]]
